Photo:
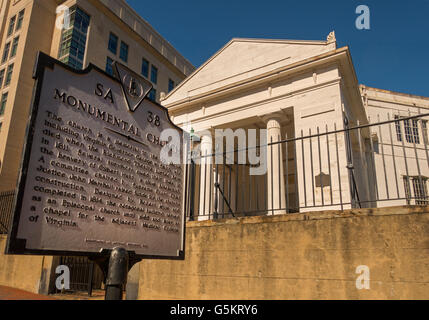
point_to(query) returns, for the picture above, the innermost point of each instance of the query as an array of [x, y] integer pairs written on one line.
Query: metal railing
[[85, 275], [6, 211], [335, 167]]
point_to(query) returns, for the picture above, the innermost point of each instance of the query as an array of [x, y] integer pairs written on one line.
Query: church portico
[[244, 167]]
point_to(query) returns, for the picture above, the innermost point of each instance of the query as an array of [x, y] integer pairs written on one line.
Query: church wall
[[382, 106]]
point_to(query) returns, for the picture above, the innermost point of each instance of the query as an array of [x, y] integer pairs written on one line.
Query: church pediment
[[243, 59]]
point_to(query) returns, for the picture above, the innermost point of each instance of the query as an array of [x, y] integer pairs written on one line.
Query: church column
[[206, 148], [275, 172]]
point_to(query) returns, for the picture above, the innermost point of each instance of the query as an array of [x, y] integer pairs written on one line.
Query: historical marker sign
[[92, 177]]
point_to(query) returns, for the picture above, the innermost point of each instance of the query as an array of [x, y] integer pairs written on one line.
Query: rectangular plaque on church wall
[[93, 177]]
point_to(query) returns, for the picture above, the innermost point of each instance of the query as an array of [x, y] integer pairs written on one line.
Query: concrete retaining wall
[[29, 273], [311, 256]]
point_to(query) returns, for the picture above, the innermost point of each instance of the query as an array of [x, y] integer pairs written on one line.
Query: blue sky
[[393, 54]]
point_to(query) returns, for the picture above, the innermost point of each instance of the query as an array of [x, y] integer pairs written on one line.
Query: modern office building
[[77, 32]]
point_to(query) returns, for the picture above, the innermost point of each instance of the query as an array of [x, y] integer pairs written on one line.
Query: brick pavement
[[7, 293]]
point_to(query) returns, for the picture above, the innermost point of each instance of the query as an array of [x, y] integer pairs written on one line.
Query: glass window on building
[[412, 131], [416, 133], [113, 44], [9, 75], [14, 47], [1, 78], [109, 66], [419, 185], [74, 39], [425, 131], [5, 52], [170, 85], [145, 68], [398, 129], [80, 20], [124, 52], [407, 190], [3, 103], [154, 74], [20, 20], [420, 190], [11, 26], [152, 95]]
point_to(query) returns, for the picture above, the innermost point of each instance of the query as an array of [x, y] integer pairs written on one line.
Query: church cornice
[[259, 103]]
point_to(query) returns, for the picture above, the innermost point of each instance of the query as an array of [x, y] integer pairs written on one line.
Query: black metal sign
[[92, 176]]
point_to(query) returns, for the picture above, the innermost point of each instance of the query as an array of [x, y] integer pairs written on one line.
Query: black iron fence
[[334, 167], [6, 211], [85, 275]]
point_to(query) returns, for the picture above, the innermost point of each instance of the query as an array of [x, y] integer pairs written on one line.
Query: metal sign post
[[115, 265], [117, 274]]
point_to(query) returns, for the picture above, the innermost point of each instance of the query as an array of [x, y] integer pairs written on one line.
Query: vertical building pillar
[[275, 172], [206, 202]]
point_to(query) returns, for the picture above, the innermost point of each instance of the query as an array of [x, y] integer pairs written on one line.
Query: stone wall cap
[[311, 216]]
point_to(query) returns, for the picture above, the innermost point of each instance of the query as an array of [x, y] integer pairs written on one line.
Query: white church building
[[332, 144]]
